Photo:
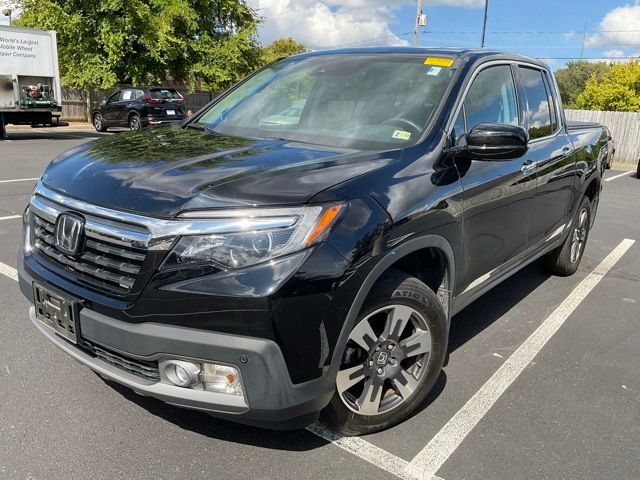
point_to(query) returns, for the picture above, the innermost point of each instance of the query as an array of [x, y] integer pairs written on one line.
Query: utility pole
[[584, 37], [419, 21], [484, 24], [7, 13]]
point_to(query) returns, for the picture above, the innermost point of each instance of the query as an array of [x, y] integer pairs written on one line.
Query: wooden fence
[[78, 104], [624, 127]]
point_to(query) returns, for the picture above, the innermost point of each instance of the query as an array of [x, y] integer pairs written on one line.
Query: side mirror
[[496, 141]]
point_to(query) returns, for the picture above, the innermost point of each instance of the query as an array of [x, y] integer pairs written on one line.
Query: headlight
[[254, 236]]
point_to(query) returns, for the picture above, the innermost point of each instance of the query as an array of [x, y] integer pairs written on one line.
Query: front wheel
[[392, 359], [564, 260]]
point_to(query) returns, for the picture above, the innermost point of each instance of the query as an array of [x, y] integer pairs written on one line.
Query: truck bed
[[578, 125]]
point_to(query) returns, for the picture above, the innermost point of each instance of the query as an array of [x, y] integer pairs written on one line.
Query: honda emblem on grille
[[69, 233]]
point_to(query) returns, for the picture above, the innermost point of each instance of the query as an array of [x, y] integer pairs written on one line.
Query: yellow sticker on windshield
[[440, 62], [401, 134]]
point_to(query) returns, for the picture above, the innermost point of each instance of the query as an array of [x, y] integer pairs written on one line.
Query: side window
[[492, 98], [114, 98], [538, 113], [127, 94], [138, 94]]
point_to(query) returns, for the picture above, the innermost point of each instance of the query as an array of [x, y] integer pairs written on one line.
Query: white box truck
[[30, 91]]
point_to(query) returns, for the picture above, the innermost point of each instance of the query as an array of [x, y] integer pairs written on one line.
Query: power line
[[572, 32]]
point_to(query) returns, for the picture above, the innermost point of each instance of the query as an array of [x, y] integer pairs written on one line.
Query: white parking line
[[428, 461], [368, 452], [10, 217], [19, 180], [623, 174], [8, 271]]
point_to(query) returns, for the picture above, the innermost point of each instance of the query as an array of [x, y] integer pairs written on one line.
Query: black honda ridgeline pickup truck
[[298, 248]]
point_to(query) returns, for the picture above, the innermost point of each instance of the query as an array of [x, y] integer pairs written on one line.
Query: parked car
[[272, 274], [135, 108]]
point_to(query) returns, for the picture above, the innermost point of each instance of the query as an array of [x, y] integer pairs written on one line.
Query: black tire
[[134, 122], [98, 123], [564, 260], [394, 291], [638, 170]]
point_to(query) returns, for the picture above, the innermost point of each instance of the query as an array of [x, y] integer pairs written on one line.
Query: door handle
[[528, 166]]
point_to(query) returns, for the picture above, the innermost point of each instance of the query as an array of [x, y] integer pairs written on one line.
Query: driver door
[[111, 109], [499, 194]]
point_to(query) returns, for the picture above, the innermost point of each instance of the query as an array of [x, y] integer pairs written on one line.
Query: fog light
[[182, 373], [221, 378]]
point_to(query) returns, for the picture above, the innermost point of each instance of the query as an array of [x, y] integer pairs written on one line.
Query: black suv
[[134, 108], [271, 272]]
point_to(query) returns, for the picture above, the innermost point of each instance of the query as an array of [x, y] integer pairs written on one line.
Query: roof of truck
[[467, 54]]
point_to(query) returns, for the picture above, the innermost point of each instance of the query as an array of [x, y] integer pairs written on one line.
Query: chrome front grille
[[103, 264]]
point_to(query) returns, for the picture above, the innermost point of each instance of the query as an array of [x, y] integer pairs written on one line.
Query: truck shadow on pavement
[[466, 325]]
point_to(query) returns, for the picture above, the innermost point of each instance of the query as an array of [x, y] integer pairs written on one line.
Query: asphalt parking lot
[[543, 380]]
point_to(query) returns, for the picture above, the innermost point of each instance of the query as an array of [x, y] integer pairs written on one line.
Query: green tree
[[280, 48], [573, 79], [102, 43], [618, 90]]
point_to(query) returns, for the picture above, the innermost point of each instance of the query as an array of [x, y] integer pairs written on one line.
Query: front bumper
[[270, 399]]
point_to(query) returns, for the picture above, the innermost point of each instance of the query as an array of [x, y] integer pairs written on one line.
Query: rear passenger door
[[125, 106], [551, 151], [498, 193]]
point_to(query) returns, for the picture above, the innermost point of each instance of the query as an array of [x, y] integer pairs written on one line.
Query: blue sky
[[613, 26]]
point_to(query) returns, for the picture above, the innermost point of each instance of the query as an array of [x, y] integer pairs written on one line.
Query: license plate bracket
[[58, 311]]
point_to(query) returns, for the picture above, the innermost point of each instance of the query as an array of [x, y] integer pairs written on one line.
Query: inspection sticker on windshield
[[434, 71], [439, 62], [401, 134]]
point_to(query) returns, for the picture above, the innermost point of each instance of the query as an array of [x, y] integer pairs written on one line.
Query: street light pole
[[484, 24], [416, 31]]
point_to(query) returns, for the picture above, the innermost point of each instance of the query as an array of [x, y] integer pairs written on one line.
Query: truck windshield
[[348, 100]]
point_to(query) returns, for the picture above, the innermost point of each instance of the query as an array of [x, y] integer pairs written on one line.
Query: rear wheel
[[564, 260], [134, 122], [392, 359], [98, 123]]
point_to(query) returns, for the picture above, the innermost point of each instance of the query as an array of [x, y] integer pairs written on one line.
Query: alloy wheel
[[134, 123], [97, 122], [579, 235], [386, 357]]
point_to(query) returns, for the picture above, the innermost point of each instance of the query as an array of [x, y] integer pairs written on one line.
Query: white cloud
[[614, 28], [328, 23], [613, 54]]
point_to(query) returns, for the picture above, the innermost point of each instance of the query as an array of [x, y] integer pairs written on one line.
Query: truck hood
[[162, 171]]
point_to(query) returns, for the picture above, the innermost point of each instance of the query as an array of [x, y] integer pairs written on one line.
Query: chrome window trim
[[158, 231]]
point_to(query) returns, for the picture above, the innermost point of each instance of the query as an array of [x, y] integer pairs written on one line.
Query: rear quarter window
[[538, 113]]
